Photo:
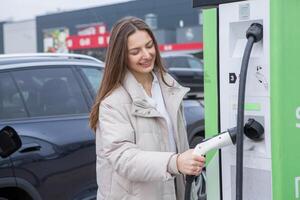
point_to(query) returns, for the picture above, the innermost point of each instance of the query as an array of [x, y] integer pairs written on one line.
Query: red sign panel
[[87, 41], [75, 42]]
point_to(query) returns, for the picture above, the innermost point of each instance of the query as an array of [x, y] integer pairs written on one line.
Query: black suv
[[187, 70], [46, 98]]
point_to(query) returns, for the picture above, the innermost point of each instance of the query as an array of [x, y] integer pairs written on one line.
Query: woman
[[139, 122]]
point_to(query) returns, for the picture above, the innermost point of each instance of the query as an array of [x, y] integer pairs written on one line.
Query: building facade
[[176, 24]]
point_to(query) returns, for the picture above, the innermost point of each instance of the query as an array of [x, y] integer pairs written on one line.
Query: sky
[[18, 10]]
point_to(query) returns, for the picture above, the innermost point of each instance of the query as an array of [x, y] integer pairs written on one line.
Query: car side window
[[195, 63], [11, 105], [179, 62], [94, 76], [50, 91], [167, 62]]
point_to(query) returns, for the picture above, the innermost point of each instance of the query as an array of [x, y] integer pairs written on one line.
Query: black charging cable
[[254, 34], [188, 186]]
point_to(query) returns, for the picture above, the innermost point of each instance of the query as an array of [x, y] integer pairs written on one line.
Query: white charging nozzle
[[252, 129], [216, 142]]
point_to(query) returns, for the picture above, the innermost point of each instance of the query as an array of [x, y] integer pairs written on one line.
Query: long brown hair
[[116, 61]]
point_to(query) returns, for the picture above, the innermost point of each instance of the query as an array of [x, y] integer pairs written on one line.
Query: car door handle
[[30, 147]]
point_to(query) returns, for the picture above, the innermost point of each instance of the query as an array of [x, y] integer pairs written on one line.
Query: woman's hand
[[190, 164]]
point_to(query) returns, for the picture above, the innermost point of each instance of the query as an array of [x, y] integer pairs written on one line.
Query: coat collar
[[172, 94], [133, 87]]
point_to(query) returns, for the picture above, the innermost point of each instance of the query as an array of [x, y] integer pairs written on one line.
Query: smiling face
[[141, 53]]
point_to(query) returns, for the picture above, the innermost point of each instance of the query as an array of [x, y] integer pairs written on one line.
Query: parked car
[[186, 69], [46, 98]]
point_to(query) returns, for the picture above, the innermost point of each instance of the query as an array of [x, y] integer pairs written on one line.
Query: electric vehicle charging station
[[272, 165]]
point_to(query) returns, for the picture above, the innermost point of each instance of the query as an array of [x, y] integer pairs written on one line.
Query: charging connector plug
[[255, 31]]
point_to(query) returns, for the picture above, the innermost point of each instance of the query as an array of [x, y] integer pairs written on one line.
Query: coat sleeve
[[117, 138]]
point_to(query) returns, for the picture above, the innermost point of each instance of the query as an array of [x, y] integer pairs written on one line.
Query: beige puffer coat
[[133, 162]]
